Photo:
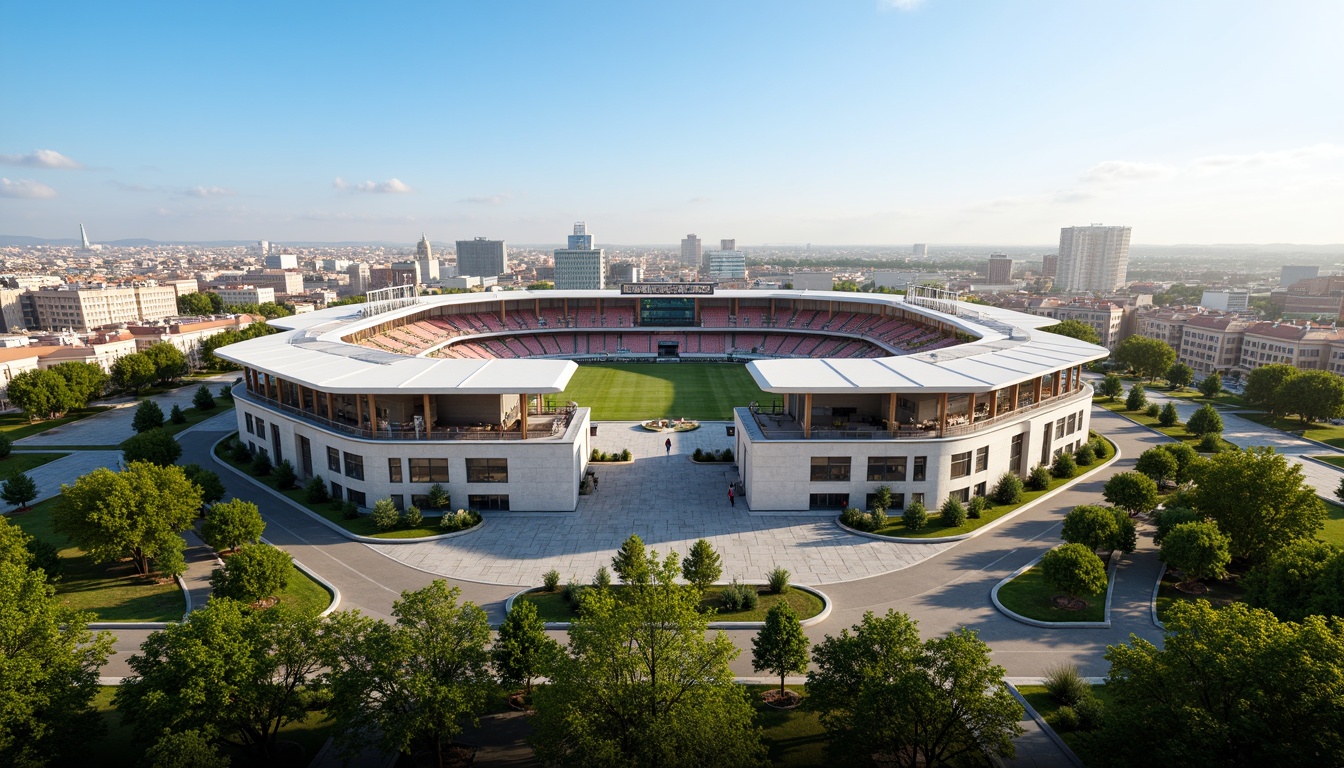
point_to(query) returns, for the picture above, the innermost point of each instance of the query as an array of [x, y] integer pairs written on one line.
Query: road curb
[[808, 622], [1157, 587], [1105, 623], [1044, 726]]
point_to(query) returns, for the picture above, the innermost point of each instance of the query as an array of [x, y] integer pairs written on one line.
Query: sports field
[[639, 391]]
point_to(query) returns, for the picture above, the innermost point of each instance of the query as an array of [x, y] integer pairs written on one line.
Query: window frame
[[832, 469], [960, 466], [887, 469], [425, 469], [493, 470]]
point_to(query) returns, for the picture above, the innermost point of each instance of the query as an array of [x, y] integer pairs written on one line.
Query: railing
[[557, 426]]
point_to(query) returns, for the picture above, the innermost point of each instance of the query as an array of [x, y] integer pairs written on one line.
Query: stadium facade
[[929, 396]]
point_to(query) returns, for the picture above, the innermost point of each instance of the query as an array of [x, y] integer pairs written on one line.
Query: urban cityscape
[[791, 395]]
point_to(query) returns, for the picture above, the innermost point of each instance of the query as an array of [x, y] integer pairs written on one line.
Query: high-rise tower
[[580, 266], [692, 249], [482, 257], [83, 239], [1092, 258]]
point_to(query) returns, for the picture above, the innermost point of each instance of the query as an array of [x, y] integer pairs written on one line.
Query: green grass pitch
[[640, 391]]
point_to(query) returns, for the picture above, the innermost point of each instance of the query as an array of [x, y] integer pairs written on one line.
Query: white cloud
[[208, 192], [900, 5], [26, 188], [391, 186], [487, 199], [41, 158], [1314, 152], [125, 187], [1112, 171]]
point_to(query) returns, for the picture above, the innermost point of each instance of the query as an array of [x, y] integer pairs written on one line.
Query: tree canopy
[[703, 566], [169, 362], [1179, 375], [1205, 421], [231, 524], [1198, 549], [1133, 492], [1302, 579], [523, 651], [781, 646], [1112, 386], [1149, 358], [86, 381], [1311, 395], [1076, 329], [1074, 569], [155, 446], [41, 394], [1258, 499], [252, 573], [133, 372], [1263, 382]]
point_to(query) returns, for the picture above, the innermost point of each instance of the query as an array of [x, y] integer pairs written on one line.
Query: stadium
[[928, 395]]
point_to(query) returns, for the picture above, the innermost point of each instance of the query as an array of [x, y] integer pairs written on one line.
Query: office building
[[1226, 301], [84, 309], [999, 270], [482, 257], [812, 281], [1292, 274], [920, 250], [692, 250], [243, 295], [1049, 265], [726, 264], [286, 282], [580, 266], [1092, 258], [626, 272], [281, 260], [360, 278]]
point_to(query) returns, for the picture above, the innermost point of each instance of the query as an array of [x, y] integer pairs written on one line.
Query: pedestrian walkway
[[50, 476], [111, 427]]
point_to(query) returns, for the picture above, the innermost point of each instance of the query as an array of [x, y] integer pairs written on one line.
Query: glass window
[[335, 490], [886, 468], [394, 470], [828, 500], [398, 501], [357, 497], [489, 501], [420, 500], [980, 489], [354, 466], [963, 495], [961, 464], [897, 500], [436, 471], [306, 455], [917, 472], [1015, 454], [261, 428], [248, 416], [982, 459], [487, 470], [1059, 429], [917, 497], [333, 459], [830, 468], [1073, 423]]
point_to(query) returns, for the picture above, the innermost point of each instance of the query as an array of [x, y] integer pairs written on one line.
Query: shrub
[[261, 463], [437, 497], [1074, 570], [573, 594], [203, 400], [625, 454], [855, 518], [1169, 517], [1008, 490], [1153, 410], [1168, 416], [1090, 711], [877, 519], [952, 514], [702, 566], [915, 516], [1137, 400], [1101, 447], [1205, 421], [1210, 443], [596, 455], [977, 508], [727, 454], [349, 511], [177, 416], [285, 476], [1039, 479], [1158, 463], [698, 455], [602, 579], [6, 446], [253, 572], [231, 524], [739, 597], [551, 580], [226, 392], [385, 515], [1066, 719], [1086, 455], [1199, 549], [315, 491], [148, 415], [1064, 466], [240, 453], [778, 579], [460, 520], [413, 518], [882, 498], [154, 446], [1065, 685]]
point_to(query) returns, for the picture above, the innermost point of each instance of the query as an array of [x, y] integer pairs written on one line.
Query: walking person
[[668, 446], [732, 502]]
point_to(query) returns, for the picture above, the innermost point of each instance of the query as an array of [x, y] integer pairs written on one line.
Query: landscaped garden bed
[[553, 606], [1220, 592], [1028, 595]]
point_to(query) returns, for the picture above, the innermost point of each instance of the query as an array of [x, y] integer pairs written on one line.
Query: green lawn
[[1333, 531], [1222, 399], [639, 391], [1324, 433], [551, 606], [1081, 742], [16, 426], [111, 591], [794, 737], [360, 526], [16, 463], [304, 594], [1029, 596], [1176, 432], [1221, 593]]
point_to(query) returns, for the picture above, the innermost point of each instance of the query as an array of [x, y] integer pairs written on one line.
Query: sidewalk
[[111, 427]]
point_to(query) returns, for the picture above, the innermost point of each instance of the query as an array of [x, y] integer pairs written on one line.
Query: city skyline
[[855, 123]]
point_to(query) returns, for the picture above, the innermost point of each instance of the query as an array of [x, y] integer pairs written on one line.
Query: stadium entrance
[[669, 349]]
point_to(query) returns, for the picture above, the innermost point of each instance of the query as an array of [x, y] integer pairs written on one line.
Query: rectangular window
[[420, 500], [354, 466], [261, 428], [1059, 429], [487, 470], [916, 497], [827, 500], [1015, 454], [333, 459], [398, 501], [886, 469], [306, 455], [917, 472], [961, 464], [982, 459], [248, 416], [275, 443], [897, 500], [394, 470], [489, 501], [963, 495], [980, 489], [1073, 423], [335, 490], [830, 469], [436, 471], [357, 497]]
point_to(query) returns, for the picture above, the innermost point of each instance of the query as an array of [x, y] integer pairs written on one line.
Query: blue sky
[[840, 122]]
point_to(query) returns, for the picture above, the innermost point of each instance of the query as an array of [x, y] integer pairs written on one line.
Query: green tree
[[196, 304], [155, 446], [881, 691], [385, 516], [49, 663], [285, 476], [641, 684], [1112, 386], [1179, 375], [138, 512], [176, 416], [185, 749], [148, 415], [523, 651], [1137, 400], [1133, 492], [953, 513], [1231, 686], [702, 566], [203, 399], [133, 372], [86, 381], [1312, 396], [1204, 421], [1211, 385], [1258, 499], [1158, 464], [1074, 569], [1291, 581], [1198, 549], [631, 562], [18, 489], [1075, 328], [781, 646], [412, 684], [235, 675], [1065, 466], [1092, 526], [1149, 358], [40, 394], [252, 573], [1168, 417], [1008, 490], [212, 490], [915, 516], [232, 524], [169, 362], [1187, 459], [1262, 385]]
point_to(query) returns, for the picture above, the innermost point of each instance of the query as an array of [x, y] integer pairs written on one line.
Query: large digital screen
[[667, 312]]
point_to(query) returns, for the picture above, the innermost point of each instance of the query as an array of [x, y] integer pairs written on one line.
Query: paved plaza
[[111, 427]]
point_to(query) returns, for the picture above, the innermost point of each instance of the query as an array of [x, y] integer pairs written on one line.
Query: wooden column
[[523, 417], [993, 403], [428, 423], [891, 411], [807, 413], [359, 412], [942, 412], [1054, 383], [373, 412], [1036, 390], [1014, 397], [331, 407], [970, 408]]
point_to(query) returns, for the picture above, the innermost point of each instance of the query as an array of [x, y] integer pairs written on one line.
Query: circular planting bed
[[670, 425]]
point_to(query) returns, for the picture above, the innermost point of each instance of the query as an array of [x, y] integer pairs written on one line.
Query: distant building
[[482, 257], [1211, 343], [1292, 274], [999, 269], [85, 309], [580, 266], [1049, 265], [692, 250], [1305, 347], [360, 278], [1104, 317], [898, 280], [285, 282], [726, 264], [281, 260], [919, 250], [263, 248], [424, 256], [626, 272], [241, 295], [1093, 258], [812, 281], [1226, 301], [183, 286]]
